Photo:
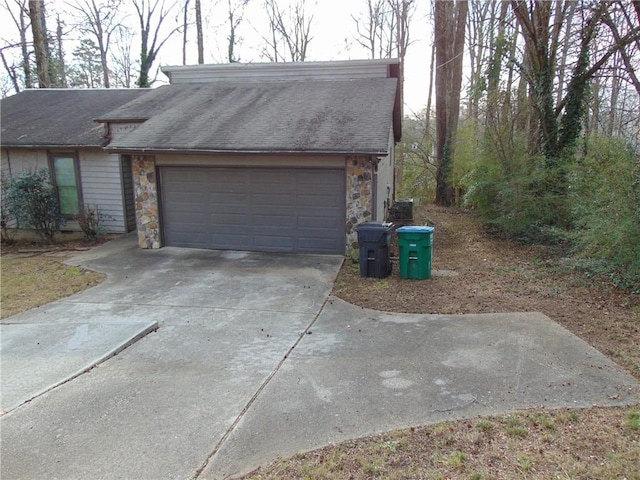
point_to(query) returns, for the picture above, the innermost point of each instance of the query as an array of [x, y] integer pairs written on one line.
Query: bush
[[507, 189], [91, 221], [7, 235], [32, 200], [607, 210]]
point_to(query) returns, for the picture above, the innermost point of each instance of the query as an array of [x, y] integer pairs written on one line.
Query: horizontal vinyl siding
[[102, 187], [278, 71]]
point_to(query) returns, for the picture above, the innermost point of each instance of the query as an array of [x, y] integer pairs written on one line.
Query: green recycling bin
[[416, 250]]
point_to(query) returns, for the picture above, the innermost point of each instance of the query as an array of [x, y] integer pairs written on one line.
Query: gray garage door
[[257, 209]]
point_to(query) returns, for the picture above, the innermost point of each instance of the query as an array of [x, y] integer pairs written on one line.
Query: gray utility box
[[374, 239], [402, 211]]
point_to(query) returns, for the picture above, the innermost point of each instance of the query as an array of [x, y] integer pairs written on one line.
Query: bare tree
[[450, 20], [373, 32], [185, 28], [19, 14], [152, 14], [121, 58], [59, 59], [235, 16], [290, 32], [100, 20], [199, 34]]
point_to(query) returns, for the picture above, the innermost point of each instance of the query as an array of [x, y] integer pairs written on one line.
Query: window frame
[[52, 156]]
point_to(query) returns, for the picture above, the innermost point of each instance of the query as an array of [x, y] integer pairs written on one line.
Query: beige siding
[[257, 160], [102, 187], [384, 183], [259, 72], [18, 161]]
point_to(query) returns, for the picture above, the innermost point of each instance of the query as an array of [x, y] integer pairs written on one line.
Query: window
[[64, 170]]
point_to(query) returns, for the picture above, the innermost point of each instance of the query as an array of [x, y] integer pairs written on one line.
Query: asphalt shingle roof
[[342, 116], [59, 117]]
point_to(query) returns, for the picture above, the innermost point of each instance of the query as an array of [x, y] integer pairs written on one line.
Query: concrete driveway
[[211, 363]]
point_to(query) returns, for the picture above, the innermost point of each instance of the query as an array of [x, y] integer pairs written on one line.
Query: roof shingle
[[59, 117], [341, 116]]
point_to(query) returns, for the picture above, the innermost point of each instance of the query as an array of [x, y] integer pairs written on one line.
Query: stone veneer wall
[[146, 197], [359, 199]]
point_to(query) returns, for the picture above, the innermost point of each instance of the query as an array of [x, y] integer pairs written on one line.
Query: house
[[54, 129], [260, 157]]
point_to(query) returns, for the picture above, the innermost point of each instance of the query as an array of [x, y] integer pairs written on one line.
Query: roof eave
[[280, 151], [32, 146]]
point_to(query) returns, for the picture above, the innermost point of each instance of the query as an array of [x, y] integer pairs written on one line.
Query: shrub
[[32, 200], [91, 221], [507, 188], [7, 235], [607, 210]]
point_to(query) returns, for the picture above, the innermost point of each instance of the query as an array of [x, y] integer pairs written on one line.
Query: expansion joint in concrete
[[255, 396]]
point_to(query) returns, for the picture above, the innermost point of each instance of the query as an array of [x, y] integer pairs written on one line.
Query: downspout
[[374, 187]]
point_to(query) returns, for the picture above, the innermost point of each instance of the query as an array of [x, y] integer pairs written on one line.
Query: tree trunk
[[185, 25], [36, 14], [199, 33], [60, 59], [450, 20]]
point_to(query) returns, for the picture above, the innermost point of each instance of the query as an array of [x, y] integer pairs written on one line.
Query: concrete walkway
[[252, 359]]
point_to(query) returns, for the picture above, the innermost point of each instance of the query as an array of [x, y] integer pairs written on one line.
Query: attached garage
[[297, 210], [262, 157]]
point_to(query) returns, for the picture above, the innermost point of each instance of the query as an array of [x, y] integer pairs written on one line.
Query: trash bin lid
[[415, 229], [374, 226]]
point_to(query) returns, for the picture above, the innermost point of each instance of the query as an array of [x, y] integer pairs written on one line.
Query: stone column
[[359, 199], [146, 196]]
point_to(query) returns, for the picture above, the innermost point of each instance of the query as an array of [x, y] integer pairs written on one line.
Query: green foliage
[[607, 210], [593, 202], [32, 200], [7, 235], [91, 221], [507, 188]]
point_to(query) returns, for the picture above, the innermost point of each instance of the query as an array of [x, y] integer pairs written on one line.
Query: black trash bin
[[374, 239]]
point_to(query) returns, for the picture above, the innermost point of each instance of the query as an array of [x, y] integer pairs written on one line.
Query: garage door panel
[[274, 243], [230, 240], [272, 224], [228, 219], [316, 223], [274, 199], [228, 199], [280, 210]]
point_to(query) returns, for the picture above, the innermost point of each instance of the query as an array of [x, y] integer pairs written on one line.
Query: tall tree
[[199, 34], [122, 59], [374, 31], [289, 30], [59, 61], [40, 42], [152, 14], [19, 12], [86, 71], [100, 20], [235, 15], [449, 23]]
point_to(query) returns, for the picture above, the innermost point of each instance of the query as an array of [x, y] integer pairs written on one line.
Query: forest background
[[527, 112]]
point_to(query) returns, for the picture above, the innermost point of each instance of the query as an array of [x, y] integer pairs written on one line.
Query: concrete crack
[[255, 396]]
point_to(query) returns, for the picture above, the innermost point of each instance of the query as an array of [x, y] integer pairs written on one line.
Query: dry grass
[[28, 282], [530, 445]]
